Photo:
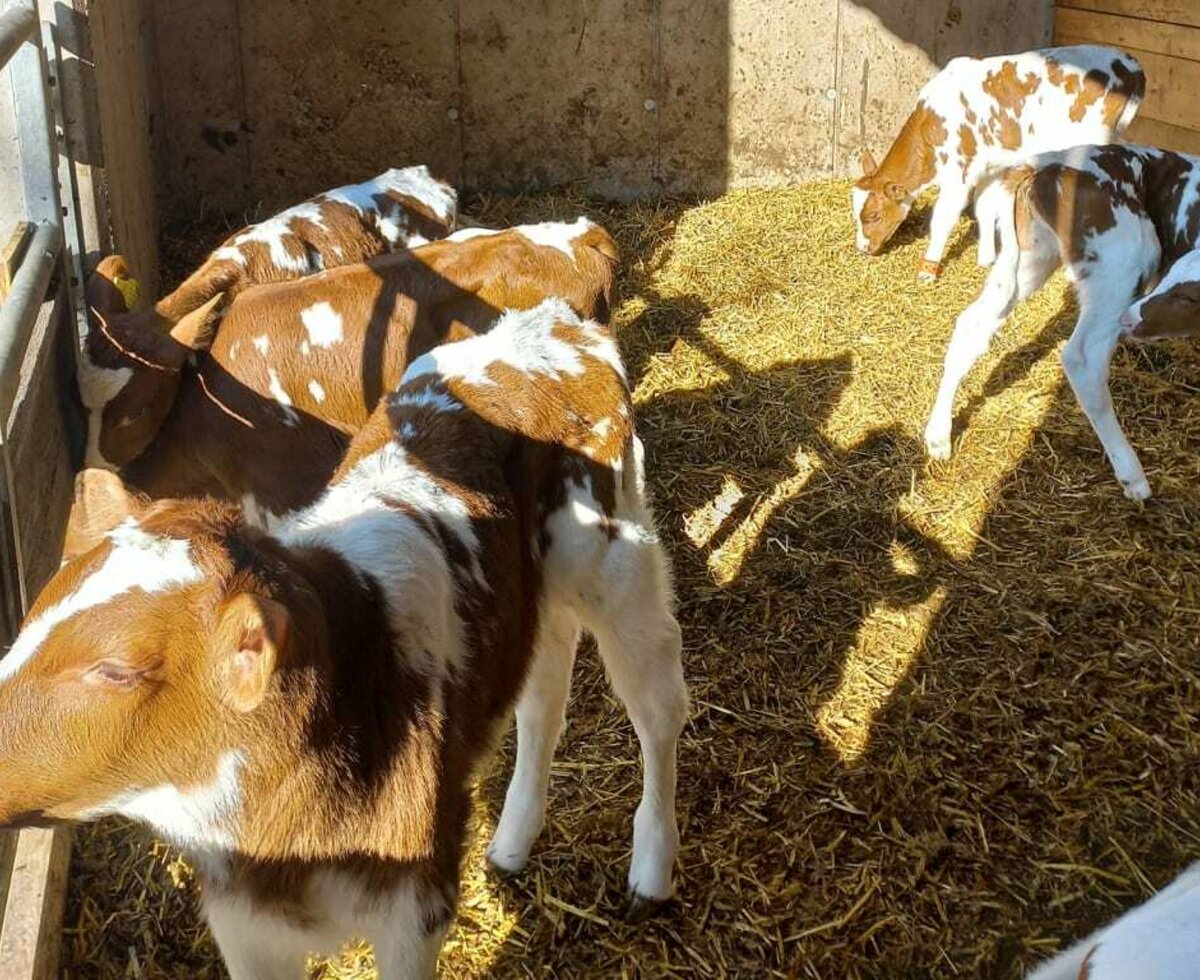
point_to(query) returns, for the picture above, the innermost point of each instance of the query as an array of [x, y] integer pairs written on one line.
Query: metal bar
[[73, 236], [16, 24], [35, 131], [20, 310]]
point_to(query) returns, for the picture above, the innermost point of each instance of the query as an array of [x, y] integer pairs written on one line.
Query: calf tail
[[1133, 84]]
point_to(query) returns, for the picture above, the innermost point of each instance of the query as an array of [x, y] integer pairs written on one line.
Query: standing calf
[[1111, 215], [979, 115], [296, 367], [1158, 940], [304, 714]]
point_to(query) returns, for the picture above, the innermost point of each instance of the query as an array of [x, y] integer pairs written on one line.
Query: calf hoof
[[1138, 489], [929, 272], [506, 864], [639, 908], [937, 446]]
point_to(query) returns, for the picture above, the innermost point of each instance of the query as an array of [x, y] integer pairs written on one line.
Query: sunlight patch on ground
[[725, 562], [887, 646]]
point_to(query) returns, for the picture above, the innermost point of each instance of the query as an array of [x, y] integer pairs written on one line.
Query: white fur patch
[[272, 233], [97, 387], [282, 397], [552, 234], [262, 343], [315, 389], [323, 323], [137, 561], [356, 519], [523, 340], [202, 816], [858, 197], [415, 182]]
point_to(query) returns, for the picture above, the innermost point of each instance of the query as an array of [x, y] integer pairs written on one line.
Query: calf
[[1158, 940], [395, 210], [1172, 309], [296, 367], [1112, 215], [979, 115], [304, 714]]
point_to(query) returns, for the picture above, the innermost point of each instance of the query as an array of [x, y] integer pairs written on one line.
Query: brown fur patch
[[1008, 89]]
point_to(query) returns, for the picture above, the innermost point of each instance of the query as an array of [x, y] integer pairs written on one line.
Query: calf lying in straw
[[1110, 215], [1158, 940], [398, 209], [979, 115], [295, 368], [304, 714]]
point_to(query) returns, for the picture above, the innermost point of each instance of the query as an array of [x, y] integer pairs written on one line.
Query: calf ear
[[196, 330], [103, 292], [251, 632], [868, 164], [101, 503]]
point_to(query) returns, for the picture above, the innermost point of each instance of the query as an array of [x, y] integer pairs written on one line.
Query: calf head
[[130, 365], [139, 668], [1172, 309], [880, 206]]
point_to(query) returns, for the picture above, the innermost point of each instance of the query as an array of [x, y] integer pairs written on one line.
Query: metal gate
[[40, 316]]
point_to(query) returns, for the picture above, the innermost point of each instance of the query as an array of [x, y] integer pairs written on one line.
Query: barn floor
[[944, 715]]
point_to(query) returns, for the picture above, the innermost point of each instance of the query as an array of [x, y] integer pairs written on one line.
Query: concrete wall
[[257, 103]]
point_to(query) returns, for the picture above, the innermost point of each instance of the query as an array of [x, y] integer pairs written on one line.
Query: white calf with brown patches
[[980, 115], [1113, 216], [296, 367], [304, 714], [1158, 940]]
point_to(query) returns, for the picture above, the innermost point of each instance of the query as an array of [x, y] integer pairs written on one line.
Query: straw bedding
[[944, 715]]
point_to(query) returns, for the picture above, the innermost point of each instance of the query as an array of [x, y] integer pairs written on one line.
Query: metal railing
[[23, 51], [32, 864]]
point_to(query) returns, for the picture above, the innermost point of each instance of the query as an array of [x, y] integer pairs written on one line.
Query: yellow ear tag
[[128, 288]]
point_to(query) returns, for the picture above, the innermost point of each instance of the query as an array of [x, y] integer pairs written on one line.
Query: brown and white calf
[[1113, 216], [980, 115], [296, 367], [400, 208], [1158, 940], [304, 714], [1172, 308]]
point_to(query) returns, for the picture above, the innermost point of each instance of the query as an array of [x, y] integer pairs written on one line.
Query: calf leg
[[256, 946], [1017, 274], [409, 951], [1086, 361], [951, 201], [540, 718], [1123, 258], [640, 643], [990, 201]]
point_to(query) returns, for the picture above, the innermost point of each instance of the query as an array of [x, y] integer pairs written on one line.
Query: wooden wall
[[259, 103], [1165, 36]]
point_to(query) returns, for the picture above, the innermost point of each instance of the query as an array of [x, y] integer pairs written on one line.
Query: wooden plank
[[8, 850], [1173, 40], [120, 33], [1171, 84], [10, 256], [1153, 132], [1164, 11], [31, 934]]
